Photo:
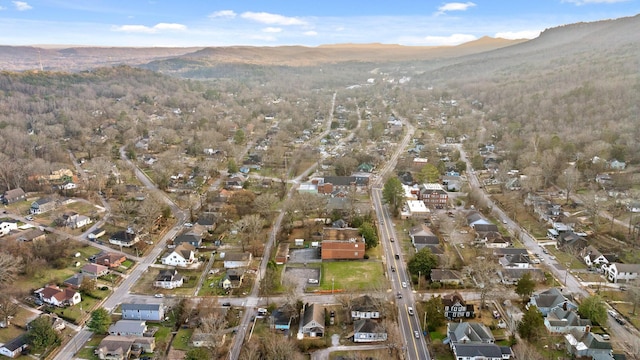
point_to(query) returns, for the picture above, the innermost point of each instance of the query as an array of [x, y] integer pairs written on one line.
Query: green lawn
[[87, 351], [75, 313], [181, 341], [352, 275]]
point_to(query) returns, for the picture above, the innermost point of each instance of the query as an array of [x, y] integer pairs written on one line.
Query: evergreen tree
[[532, 324], [41, 335], [393, 194], [525, 286], [422, 262], [100, 321]]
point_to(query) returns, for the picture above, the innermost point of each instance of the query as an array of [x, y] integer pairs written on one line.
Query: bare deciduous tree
[[10, 267]]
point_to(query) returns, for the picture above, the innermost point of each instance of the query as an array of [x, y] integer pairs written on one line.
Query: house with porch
[[148, 312], [111, 259], [237, 260], [53, 295], [126, 238], [367, 331], [233, 278], [446, 276], [14, 348], [456, 308], [313, 320], [481, 352], [468, 333], [128, 328], [115, 347], [42, 205], [168, 279], [586, 344], [7, 226], [550, 299], [623, 272], [594, 258], [561, 320], [13, 196], [182, 255], [365, 307]]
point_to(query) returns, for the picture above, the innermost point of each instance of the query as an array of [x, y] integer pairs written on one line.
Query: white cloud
[[454, 6], [311, 33], [453, 39], [272, 19], [272, 30], [230, 14], [22, 5], [584, 2], [150, 30], [514, 35], [259, 37]]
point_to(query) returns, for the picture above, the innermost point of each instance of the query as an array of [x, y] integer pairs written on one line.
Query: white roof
[[417, 206], [432, 186]]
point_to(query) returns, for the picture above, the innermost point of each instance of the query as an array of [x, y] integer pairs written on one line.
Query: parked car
[[159, 295], [29, 218], [312, 281]]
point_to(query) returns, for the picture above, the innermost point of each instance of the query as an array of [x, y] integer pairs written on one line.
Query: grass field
[[181, 341], [352, 275], [87, 351]]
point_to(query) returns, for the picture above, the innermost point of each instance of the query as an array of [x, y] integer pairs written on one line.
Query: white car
[[404, 284], [159, 295], [312, 281], [29, 218], [410, 310], [188, 225]]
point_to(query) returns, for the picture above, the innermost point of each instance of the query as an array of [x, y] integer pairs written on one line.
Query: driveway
[[299, 277]]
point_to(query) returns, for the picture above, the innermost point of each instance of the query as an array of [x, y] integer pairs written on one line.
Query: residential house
[[329, 184], [313, 320], [32, 235], [422, 236], [15, 347], [452, 182], [188, 238], [468, 333], [549, 299], [94, 271], [126, 238], [622, 272], [365, 307], [234, 182], [615, 164], [182, 255], [456, 308], [481, 352], [114, 347], [475, 218], [68, 185], [201, 339], [633, 206], [233, 278], [207, 222], [446, 276], [56, 322], [416, 209], [13, 196], [367, 330], [128, 328], [76, 221], [511, 276], [6, 226], [594, 258], [518, 261], [111, 259], [562, 319], [237, 260], [55, 296], [433, 195], [42, 205], [280, 318], [586, 344], [75, 281], [149, 312], [572, 240], [96, 234], [168, 279]]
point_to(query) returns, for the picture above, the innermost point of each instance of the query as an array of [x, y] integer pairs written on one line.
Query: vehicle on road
[[399, 295], [410, 310], [159, 295], [404, 284], [397, 257], [29, 217], [312, 281], [393, 268], [392, 239], [416, 334], [226, 304], [188, 224]]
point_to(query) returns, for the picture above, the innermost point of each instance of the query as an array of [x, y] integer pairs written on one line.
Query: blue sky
[[289, 22]]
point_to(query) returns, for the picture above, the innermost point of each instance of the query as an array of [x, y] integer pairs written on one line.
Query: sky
[[187, 23]]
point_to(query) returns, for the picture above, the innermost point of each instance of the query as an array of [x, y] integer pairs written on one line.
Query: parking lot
[[301, 256], [299, 277]]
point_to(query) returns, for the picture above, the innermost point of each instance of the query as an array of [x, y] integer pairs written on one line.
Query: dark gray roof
[[16, 343], [484, 350], [368, 326], [145, 307]]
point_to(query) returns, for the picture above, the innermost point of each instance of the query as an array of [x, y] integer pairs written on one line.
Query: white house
[[593, 257], [77, 221], [236, 260], [626, 272], [55, 296], [6, 226], [14, 348], [182, 255]]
